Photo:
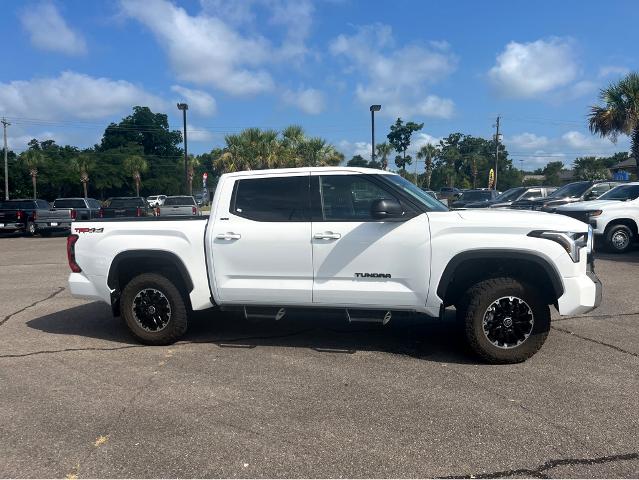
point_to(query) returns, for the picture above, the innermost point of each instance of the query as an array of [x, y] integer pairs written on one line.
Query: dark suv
[[570, 193], [512, 195], [474, 196]]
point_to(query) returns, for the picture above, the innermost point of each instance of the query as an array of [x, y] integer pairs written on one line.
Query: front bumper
[[582, 294]]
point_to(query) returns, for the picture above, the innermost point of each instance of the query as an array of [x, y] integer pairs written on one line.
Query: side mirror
[[385, 208]]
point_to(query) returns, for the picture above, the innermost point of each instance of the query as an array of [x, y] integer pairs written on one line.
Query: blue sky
[[71, 67]]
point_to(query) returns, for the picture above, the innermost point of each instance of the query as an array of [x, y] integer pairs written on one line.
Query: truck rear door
[[260, 240]]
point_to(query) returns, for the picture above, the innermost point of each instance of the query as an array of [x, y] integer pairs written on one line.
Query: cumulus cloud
[[49, 31], [198, 100], [350, 149], [531, 69], [72, 95], [198, 134], [205, 50], [308, 100], [527, 141], [397, 76], [613, 70]]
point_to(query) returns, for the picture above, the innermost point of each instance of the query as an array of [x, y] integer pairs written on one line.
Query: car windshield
[[68, 203], [417, 193], [572, 190], [511, 194], [179, 201], [622, 192], [125, 202], [152, 197], [476, 195]]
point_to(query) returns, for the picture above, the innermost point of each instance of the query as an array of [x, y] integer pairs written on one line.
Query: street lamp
[[184, 107], [374, 108]]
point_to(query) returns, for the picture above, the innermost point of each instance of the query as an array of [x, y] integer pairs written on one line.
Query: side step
[[271, 313], [369, 316]]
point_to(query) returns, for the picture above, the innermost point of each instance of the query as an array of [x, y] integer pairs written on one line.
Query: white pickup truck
[[614, 216], [365, 242]]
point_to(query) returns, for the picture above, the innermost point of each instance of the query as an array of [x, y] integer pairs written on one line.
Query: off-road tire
[[477, 300], [617, 230], [178, 322]]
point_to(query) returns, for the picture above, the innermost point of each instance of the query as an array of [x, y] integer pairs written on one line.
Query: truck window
[[273, 199], [349, 197], [179, 201], [68, 203]]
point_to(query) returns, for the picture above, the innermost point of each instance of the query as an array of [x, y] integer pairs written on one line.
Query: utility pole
[[373, 109], [184, 107], [6, 167], [496, 152]]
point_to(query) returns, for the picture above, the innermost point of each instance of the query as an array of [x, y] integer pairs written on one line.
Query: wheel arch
[[628, 222], [469, 267]]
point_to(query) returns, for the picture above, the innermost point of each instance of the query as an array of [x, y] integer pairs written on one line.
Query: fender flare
[[112, 278], [501, 254]]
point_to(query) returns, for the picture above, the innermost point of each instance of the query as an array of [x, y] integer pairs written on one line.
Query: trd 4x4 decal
[[88, 230]]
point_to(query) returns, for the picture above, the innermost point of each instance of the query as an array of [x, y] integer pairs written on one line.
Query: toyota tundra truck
[[363, 242]]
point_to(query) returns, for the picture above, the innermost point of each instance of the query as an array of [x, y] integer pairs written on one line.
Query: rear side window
[[275, 199], [68, 203]]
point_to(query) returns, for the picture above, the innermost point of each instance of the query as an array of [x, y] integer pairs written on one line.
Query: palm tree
[[83, 164], [383, 151], [32, 159], [136, 165], [428, 152], [194, 162], [620, 113]]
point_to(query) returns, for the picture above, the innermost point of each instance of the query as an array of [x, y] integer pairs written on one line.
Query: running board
[[369, 316], [271, 313]]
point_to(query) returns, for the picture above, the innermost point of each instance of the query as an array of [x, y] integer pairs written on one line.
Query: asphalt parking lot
[[305, 397]]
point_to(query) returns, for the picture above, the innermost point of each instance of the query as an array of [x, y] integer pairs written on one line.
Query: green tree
[[551, 171], [136, 165], [428, 153], [620, 112], [33, 159], [590, 168], [357, 161], [383, 150], [194, 163], [83, 164], [399, 137]]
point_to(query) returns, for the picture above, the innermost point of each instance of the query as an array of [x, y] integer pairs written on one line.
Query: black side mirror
[[386, 208]]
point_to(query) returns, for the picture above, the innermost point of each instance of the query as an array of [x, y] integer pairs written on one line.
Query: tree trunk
[[634, 148], [35, 193], [84, 184], [137, 188], [190, 186]]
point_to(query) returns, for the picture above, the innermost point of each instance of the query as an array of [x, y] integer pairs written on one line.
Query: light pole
[[374, 108], [6, 168], [184, 107]]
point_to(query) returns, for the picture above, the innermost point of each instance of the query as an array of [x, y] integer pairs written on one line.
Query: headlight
[[594, 213], [572, 242]]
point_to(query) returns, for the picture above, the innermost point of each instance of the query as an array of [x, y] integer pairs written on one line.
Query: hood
[[528, 219], [592, 205]]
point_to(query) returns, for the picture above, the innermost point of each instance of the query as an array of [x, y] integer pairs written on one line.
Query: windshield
[[173, 201], [417, 193], [511, 194], [68, 203], [622, 192], [476, 195], [125, 202], [572, 190]]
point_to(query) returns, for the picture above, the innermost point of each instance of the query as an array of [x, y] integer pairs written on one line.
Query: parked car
[[449, 193], [20, 215], [614, 216], [202, 199], [474, 196], [156, 200], [570, 193], [178, 205], [432, 193], [301, 238], [124, 207], [512, 195], [64, 211]]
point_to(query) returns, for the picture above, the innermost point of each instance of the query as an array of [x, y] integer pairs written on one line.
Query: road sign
[[205, 175]]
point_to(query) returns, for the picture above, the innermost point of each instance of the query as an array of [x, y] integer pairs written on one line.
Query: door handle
[[228, 236], [327, 236]]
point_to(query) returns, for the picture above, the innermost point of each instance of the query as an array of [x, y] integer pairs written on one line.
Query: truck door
[[358, 260], [261, 253]]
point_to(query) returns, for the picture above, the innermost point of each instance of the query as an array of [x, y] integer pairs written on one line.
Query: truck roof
[[309, 170]]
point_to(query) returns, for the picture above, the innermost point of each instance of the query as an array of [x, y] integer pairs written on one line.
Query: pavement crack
[[540, 471], [589, 317], [86, 349], [598, 342], [49, 297]]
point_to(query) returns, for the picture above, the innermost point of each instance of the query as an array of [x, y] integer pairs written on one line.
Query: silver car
[[178, 205]]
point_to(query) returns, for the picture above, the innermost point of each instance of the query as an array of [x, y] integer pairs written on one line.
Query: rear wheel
[[505, 320], [619, 238], [154, 309], [31, 229]]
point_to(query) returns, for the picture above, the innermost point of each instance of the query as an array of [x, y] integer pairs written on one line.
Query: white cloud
[[527, 141], [198, 134], [397, 77], [613, 70], [205, 50], [419, 140], [308, 100], [198, 100], [49, 31], [350, 149], [531, 69], [72, 95], [19, 142]]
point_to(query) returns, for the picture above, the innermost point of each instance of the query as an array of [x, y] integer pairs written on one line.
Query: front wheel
[[154, 309], [619, 238], [505, 320]]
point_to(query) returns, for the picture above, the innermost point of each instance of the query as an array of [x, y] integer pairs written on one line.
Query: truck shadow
[[411, 336]]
